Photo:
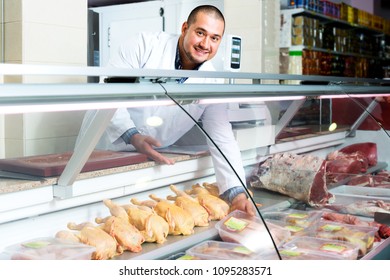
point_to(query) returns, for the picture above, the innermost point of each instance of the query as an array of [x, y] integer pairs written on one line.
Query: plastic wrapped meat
[[298, 176], [365, 208]]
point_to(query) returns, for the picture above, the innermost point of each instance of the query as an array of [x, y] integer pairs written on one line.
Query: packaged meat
[[302, 254], [295, 230], [361, 236], [219, 250], [298, 176], [48, 248], [319, 246], [295, 217], [249, 231]]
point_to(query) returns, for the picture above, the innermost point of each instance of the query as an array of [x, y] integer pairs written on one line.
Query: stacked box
[[362, 237], [321, 247]]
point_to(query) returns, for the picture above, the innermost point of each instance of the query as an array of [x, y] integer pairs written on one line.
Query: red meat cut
[[298, 176]]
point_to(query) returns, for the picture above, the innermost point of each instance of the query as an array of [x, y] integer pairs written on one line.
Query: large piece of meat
[[298, 176], [350, 160], [368, 149]]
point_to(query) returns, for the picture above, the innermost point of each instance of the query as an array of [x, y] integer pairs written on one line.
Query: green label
[[289, 253], [36, 244], [294, 228], [298, 215], [186, 257], [235, 224], [242, 250], [329, 227], [330, 247]]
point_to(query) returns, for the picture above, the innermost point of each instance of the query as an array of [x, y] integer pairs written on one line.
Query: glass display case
[[304, 153]]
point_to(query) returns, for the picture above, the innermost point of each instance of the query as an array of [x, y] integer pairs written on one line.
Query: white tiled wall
[[2, 145], [51, 33], [257, 22]]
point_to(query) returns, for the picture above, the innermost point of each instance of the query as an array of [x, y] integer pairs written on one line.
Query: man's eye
[[215, 39], [200, 33]]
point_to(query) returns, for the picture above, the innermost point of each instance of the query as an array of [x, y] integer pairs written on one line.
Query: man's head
[[201, 36]]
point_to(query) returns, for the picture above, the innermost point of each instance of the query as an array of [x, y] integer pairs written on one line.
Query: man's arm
[[238, 199], [216, 124]]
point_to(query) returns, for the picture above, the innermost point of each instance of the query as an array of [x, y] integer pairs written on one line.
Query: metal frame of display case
[[158, 85]]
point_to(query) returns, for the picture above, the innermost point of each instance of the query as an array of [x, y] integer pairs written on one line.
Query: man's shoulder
[[157, 35]]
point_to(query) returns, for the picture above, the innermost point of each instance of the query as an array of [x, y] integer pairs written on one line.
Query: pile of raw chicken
[[152, 220]]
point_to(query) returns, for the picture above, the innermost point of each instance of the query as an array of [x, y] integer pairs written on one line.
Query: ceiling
[[99, 3]]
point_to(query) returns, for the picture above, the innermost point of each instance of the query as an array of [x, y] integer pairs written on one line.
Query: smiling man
[[193, 49]]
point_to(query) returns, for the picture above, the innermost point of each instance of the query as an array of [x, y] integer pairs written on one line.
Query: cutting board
[[54, 164]]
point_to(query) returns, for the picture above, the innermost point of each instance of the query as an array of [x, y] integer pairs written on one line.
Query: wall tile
[[1, 43], [51, 43], [72, 13], [13, 126], [13, 41], [49, 145], [2, 135], [13, 10], [13, 148], [51, 125]]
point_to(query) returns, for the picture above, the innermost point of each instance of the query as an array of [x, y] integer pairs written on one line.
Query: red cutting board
[[54, 164]]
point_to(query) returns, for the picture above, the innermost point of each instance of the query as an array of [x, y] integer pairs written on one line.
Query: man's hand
[[241, 202], [144, 145]]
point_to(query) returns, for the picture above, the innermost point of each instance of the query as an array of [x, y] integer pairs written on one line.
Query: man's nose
[[205, 43]]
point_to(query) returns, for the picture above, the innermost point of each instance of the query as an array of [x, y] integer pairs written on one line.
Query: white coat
[[158, 51]]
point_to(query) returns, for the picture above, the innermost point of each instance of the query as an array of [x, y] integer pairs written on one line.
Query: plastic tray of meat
[[294, 217], [361, 236], [239, 227], [302, 254], [219, 250], [361, 191], [47, 248], [320, 247], [295, 230]]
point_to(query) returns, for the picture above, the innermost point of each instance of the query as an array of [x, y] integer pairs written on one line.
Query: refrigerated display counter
[[268, 116]]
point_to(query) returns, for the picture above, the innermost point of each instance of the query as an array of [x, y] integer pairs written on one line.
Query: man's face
[[200, 40]]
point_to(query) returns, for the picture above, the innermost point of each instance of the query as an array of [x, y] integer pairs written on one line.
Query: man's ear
[[184, 27]]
